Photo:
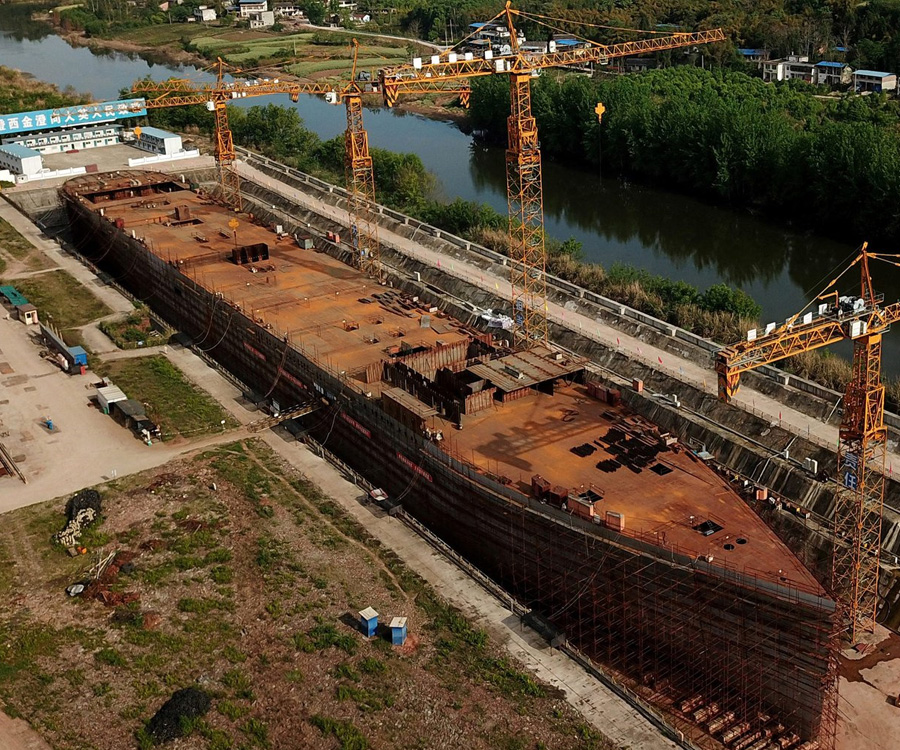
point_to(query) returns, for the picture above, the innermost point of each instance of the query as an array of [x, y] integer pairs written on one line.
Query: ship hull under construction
[[741, 655]]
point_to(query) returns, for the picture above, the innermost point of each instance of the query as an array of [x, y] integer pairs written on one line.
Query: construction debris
[[82, 509], [107, 574]]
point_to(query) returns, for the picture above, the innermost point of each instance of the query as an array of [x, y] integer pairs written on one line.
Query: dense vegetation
[[403, 183], [832, 164]]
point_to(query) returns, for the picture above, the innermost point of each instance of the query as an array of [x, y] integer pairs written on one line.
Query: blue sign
[[79, 114]]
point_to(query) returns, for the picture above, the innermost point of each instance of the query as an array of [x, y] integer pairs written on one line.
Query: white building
[[288, 11], [204, 14], [20, 159], [833, 73], [496, 34], [58, 141], [246, 7], [785, 70], [158, 141], [262, 19]]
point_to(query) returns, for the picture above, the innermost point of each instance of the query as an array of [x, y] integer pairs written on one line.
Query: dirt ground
[[869, 689], [246, 582]]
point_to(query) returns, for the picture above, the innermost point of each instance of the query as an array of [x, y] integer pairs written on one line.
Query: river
[[667, 233]]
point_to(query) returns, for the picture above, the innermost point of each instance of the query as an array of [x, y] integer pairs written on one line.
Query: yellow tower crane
[[358, 160], [523, 156], [859, 500], [178, 92]]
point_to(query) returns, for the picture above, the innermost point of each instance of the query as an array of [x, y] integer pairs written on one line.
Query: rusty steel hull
[[700, 640]]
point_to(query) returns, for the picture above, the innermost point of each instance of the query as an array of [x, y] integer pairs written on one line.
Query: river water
[[667, 233]]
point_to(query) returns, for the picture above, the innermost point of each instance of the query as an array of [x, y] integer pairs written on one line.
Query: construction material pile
[[82, 509], [108, 574]]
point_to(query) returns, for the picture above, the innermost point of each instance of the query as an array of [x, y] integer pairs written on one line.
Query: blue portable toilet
[[368, 618], [398, 631]]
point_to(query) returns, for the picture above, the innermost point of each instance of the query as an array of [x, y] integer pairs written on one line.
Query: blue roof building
[[874, 80], [830, 73], [753, 54]]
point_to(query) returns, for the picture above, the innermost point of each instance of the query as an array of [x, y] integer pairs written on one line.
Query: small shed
[[109, 395], [398, 631], [368, 619], [27, 313], [128, 412], [78, 356]]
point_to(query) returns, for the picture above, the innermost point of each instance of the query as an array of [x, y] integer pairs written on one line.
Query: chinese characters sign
[[79, 114]]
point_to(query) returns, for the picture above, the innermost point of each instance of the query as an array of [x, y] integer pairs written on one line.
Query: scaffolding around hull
[[716, 648]]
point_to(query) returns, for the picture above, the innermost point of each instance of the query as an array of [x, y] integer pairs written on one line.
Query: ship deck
[[325, 307], [535, 435], [348, 323]]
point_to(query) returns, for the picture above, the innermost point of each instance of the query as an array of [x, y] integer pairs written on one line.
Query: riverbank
[[166, 55], [22, 92]]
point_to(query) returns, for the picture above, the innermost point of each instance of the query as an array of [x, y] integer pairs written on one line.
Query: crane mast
[[179, 92], [525, 201], [523, 156], [859, 498]]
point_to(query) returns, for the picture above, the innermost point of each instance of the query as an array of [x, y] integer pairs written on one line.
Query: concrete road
[[16, 734], [115, 301], [85, 446]]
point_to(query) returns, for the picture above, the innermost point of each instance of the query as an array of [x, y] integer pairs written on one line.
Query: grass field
[[245, 582], [12, 242], [14, 247], [239, 47], [135, 331], [173, 402], [162, 34], [61, 300], [305, 69]]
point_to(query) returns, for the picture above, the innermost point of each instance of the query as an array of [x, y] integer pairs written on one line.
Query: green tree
[[315, 11]]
